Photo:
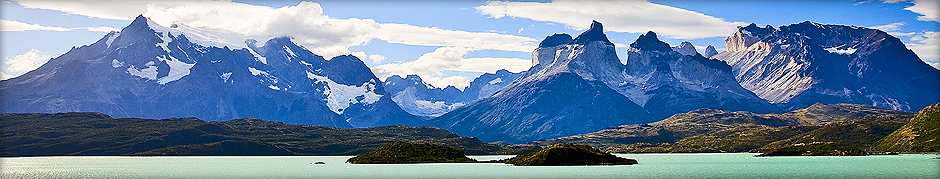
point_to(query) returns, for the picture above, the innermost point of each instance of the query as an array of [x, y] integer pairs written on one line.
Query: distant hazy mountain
[[420, 98], [685, 48], [710, 51], [150, 71], [801, 64]]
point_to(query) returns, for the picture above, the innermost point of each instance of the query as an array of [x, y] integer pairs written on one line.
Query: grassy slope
[[921, 134]]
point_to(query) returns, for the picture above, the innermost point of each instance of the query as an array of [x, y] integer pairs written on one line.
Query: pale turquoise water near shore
[[739, 165]]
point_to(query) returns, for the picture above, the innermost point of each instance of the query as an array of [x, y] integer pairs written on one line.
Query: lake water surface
[[738, 165]]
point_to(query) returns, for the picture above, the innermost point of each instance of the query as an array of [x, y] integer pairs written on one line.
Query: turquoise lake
[[737, 165]]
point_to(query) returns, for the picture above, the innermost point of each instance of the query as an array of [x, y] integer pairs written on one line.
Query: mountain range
[[151, 71], [576, 85], [797, 65], [422, 99]]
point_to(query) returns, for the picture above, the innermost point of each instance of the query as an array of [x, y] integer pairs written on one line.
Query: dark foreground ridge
[[568, 154], [402, 152], [69, 134]]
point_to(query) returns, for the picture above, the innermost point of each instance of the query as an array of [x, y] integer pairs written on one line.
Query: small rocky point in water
[[400, 152], [568, 154]]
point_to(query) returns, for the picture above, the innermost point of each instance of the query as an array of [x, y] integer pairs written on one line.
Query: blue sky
[[445, 42]]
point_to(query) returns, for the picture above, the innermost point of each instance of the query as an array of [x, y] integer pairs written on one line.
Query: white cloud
[[23, 63], [890, 27], [8, 25], [4, 76], [928, 9], [617, 16], [376, 58]]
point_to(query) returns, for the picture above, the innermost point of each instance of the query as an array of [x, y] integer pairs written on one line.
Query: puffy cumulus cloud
[[431, 65], [8, 25], [617, 16], [23, 63], [305, 22], [4, 76]]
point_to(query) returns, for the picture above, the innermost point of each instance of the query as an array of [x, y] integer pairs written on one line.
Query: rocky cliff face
[[801, 64], [666, 82]]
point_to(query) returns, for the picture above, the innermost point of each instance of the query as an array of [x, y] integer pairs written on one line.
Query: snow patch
[[225, 76], [289, 53], [305, 63], [339, 96], [258, 56], [164, 34], [256, 72], [497, 80], [841, 51], [116, 64], [111, 38], [178, 69], [149, 73]]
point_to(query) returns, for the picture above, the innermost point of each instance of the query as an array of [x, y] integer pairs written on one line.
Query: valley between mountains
[[151, 89]]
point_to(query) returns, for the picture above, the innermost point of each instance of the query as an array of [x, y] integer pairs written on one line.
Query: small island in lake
[[401, 152], [568, 154]]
